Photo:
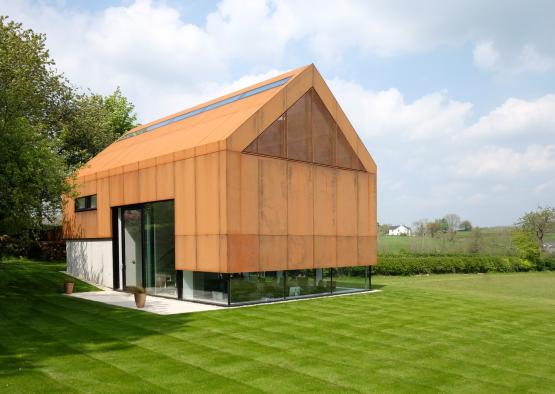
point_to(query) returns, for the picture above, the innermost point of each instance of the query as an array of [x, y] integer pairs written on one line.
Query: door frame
[[140, 208]]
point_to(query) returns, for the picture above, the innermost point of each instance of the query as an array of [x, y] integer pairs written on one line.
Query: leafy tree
[[384, 229], [538, 223], [46, 130], [466, 225], [433, 228], [96, 122], [526, 246], [33, 105], [443, 225]]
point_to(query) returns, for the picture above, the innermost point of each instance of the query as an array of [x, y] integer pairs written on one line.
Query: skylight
[[209, 107]]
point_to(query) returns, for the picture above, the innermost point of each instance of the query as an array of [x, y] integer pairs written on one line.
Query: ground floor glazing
[[255, 287]]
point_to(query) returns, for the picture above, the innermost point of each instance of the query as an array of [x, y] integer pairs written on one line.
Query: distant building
[[400, 230]]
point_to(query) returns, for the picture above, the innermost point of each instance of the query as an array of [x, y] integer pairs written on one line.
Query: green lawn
[[452, 333], [492, 241]]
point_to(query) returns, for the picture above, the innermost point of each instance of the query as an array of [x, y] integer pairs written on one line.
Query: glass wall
[[350, 279], [253, 287], [159, 249], [256, 286], [302, 283], [205, 286]]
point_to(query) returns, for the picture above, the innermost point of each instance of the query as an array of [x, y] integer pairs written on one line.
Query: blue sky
[[455, 100]]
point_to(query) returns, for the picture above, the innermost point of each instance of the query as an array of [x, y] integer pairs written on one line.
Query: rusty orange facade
[[275, 180]]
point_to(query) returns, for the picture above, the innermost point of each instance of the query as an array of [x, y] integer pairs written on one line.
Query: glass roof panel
[[206, 108]]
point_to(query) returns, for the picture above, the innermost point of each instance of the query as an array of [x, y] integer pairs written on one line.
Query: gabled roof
[[229, 122], [396, 227]]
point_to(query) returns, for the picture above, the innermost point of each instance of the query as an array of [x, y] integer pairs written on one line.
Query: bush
[[415, 264]]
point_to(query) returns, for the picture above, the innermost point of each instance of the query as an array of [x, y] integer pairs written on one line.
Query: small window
[[85, 203]]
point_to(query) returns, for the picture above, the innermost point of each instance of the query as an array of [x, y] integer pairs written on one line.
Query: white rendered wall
[[91, 260]]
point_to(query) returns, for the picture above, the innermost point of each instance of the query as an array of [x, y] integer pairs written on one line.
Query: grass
[[492, 241], [451, 333]]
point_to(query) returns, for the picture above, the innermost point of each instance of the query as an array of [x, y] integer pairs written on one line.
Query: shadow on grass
[[39, 323]]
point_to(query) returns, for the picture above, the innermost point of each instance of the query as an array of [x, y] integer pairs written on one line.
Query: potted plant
[[68, 285], [140, 297]]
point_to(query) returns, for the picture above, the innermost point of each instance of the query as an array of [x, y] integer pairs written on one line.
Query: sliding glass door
[[148, 248], [132, 266], [159, 249]]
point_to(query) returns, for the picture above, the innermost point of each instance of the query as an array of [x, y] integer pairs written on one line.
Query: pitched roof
[[400, 225], [228, 122]]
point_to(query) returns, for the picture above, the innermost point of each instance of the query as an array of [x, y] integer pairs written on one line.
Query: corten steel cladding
[[272, 177]]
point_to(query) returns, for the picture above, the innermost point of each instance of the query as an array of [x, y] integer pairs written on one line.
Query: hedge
[[414, 264]]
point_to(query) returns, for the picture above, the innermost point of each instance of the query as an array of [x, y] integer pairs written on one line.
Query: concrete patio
[[158, 305], [168, 306]]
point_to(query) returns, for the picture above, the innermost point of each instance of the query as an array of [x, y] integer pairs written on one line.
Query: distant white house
[[399, 230]]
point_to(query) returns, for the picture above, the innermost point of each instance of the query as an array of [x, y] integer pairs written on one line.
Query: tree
[[475, 240], [433, 228], [443, 225], [538, 223], [466, 225], [95, 123], [33, 103], [384, 229], [420, 227], [526, 246], [453, 221], [46, 130]]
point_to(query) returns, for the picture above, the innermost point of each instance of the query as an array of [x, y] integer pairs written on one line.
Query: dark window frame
[[88, 203]]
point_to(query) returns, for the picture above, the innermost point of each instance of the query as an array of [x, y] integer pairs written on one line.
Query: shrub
[[440, 264], [549, 262]]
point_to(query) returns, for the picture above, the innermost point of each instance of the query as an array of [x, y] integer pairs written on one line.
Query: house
[[264, 194], [400, 230]]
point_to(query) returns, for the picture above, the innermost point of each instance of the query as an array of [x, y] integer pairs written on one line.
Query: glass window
[[270, 142], [256, 286], [205, 286], [350, 279], [299, 140], [93, 202], [301, 283], [85, 203], [208, 107], [323, 132], [160, 249]]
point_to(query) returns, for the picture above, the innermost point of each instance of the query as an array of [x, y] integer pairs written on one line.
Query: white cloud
[[485, 55], [386, 112], [148, 49], [165, 64], [517, 117], [514, 61], [531, 60], [500, 161]]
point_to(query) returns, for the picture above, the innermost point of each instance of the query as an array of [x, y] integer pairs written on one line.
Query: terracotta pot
[[68, 287], [140, 299]]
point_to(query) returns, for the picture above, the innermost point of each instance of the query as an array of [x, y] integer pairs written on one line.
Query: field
[[452, 333], [492, 241]]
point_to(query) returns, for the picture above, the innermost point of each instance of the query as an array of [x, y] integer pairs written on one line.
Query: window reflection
[[205, 286], [256, 286]]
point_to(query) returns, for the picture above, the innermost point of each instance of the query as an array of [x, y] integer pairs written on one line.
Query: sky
[[454, 100]]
